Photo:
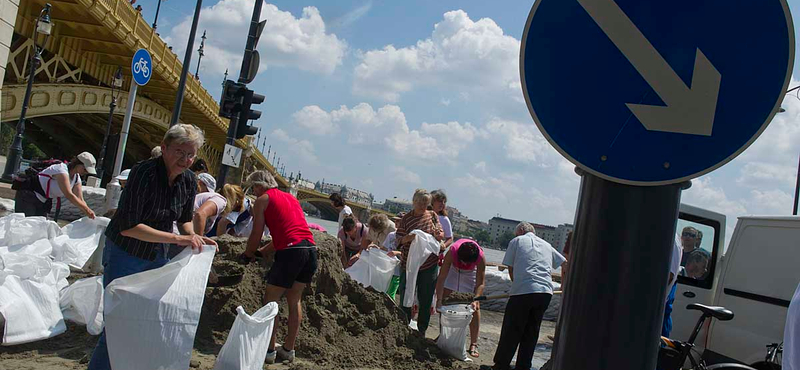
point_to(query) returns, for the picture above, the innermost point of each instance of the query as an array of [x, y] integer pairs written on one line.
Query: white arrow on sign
[[687, 110]]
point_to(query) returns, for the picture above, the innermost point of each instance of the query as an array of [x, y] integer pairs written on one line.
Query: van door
[[701, 235]]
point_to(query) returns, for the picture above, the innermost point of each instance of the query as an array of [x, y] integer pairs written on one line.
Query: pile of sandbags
[[498, 283], [35, 259]]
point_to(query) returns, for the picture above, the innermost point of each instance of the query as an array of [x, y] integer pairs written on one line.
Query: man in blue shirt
[[530, 261]]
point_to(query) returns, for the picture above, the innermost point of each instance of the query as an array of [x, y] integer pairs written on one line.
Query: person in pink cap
[[464, 271]]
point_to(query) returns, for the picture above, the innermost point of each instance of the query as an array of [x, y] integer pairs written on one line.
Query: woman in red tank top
[[295, 253]]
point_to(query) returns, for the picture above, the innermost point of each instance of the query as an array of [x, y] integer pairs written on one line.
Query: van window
[[697, 237]]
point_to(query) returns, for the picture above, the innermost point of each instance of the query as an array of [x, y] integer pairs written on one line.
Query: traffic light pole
[[243, 74]]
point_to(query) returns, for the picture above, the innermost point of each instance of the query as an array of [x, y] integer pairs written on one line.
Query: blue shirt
[[532, 260]]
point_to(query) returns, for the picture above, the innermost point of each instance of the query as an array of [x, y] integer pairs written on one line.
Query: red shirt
[[285, 219]]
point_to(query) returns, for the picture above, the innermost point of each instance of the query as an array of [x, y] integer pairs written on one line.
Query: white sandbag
[[78, 241], [82, 303], [30, 305], [151, 317], [374, 268], [248, 341], [424, 244], [21, 230], [40, 248], [455, 328]]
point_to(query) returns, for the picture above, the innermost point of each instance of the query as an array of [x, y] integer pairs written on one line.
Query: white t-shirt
[[218, 200], [343, 213], [674, 265], [446, 226], [533, 259], [55, 190], [390, 243], [791, 335]]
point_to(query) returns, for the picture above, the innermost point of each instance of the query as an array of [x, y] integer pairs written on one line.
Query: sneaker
[[285, 355], [270, 359]]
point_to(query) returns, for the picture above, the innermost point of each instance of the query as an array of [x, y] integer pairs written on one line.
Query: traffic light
[[249, 98], [229, 102]]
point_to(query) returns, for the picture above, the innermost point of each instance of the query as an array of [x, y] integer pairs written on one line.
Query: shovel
[[482, 298]]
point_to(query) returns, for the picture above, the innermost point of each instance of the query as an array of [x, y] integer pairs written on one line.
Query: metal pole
[[15, 152], [101, 160], [126, 127], [234, 122], [155, 21], [796, 190], [200, 55], [612, 312], [187, 60]]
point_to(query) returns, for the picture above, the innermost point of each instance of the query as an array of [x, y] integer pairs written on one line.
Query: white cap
[[88, 161], [123, 176], [208, 180]]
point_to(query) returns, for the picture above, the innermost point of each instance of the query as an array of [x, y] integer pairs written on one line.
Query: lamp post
[[116, 85], [155, 21], [200, 55], [187, 59], [797, 182], [43, 26]]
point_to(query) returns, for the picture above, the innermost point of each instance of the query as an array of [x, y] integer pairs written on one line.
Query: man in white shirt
[[530, 261], [672, 286], [791, 335], [344, 210]]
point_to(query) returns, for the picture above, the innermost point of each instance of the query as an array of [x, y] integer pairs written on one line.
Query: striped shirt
[[427, 223], [149, 199]]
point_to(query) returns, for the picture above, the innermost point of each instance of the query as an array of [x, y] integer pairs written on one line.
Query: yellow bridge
[[71, 94]]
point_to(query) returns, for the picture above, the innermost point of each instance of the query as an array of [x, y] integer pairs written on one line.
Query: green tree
[[483, 236], [504, 239]]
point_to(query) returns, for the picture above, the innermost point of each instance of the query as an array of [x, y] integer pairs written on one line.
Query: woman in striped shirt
[[426, 221]]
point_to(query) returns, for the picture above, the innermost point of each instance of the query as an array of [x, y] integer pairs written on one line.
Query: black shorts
[[293, 265]]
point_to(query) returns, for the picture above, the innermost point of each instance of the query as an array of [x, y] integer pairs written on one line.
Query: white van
[[755, 278]]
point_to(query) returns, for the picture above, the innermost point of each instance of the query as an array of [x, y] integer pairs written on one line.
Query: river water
[[492, 255]]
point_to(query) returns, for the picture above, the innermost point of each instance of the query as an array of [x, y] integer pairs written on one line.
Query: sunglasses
[[689, 235]]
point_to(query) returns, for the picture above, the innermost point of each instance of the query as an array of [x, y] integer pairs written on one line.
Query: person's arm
[[448, 261], [511, 273], [200, 218], [365, 240], [480, 282], [508, 259], [148, 234], [185, 228], [448, 232], [62, 180], [222, 226], [254, 240]]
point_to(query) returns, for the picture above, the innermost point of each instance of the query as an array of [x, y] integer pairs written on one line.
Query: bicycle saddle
[[719, 313]]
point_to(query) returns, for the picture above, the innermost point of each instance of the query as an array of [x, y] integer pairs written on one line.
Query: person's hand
[[476, 306], [195, 241], [89, 213], [394, 253], [353, 259], [245, 258], [408, 238], [209, 241]]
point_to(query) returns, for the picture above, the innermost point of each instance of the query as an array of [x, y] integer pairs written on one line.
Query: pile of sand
[[345, 325]]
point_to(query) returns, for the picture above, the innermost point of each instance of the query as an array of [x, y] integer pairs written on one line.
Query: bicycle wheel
[[729, 367]]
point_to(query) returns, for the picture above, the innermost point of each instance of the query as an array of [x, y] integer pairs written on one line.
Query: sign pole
[[619, 266], [126, 127]]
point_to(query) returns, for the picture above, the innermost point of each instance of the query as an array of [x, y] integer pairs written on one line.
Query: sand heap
[[345, 325]]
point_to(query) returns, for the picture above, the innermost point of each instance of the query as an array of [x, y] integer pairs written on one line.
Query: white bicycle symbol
[[141, 66]]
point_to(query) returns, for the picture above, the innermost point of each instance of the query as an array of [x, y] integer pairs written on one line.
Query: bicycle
[[673, 354], [141, 65], [774, 354]]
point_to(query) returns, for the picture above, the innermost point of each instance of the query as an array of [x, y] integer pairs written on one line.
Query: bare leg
[[474, 327], [274, 294], [293, 297]]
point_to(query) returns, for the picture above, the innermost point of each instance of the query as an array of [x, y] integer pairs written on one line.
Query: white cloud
[[480, 166], [462, 53], [770, 202], [316, 120], [286, 41], [704, 193], [403, 174], [445, 102], [523, 142], [352, 16], [302, 149], [387, 127]]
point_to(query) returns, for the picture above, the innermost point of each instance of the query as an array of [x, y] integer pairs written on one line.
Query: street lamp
[[200, 55], [797, 182], [43, 26], [116, 85]]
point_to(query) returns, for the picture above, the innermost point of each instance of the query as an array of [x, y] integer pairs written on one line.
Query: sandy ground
[[46, 355]]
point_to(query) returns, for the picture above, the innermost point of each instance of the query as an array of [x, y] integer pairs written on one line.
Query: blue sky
[[389, 96]]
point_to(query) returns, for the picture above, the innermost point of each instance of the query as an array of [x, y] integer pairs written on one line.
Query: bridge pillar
[[8, 17]]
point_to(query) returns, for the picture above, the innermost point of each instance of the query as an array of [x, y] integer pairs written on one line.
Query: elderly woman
[[464, 271], [420, 218], [379, 227], [54, 182], [159, 192]]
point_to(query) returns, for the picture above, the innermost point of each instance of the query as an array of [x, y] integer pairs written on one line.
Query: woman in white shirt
[[439, 203], [237, 218], [208, 205], [54, 182]]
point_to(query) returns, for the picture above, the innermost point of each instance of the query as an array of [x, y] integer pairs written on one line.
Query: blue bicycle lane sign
[[142, 67], [646, 92]]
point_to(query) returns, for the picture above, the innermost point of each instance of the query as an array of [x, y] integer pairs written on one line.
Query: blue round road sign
[[646, 92], [142, 67]]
